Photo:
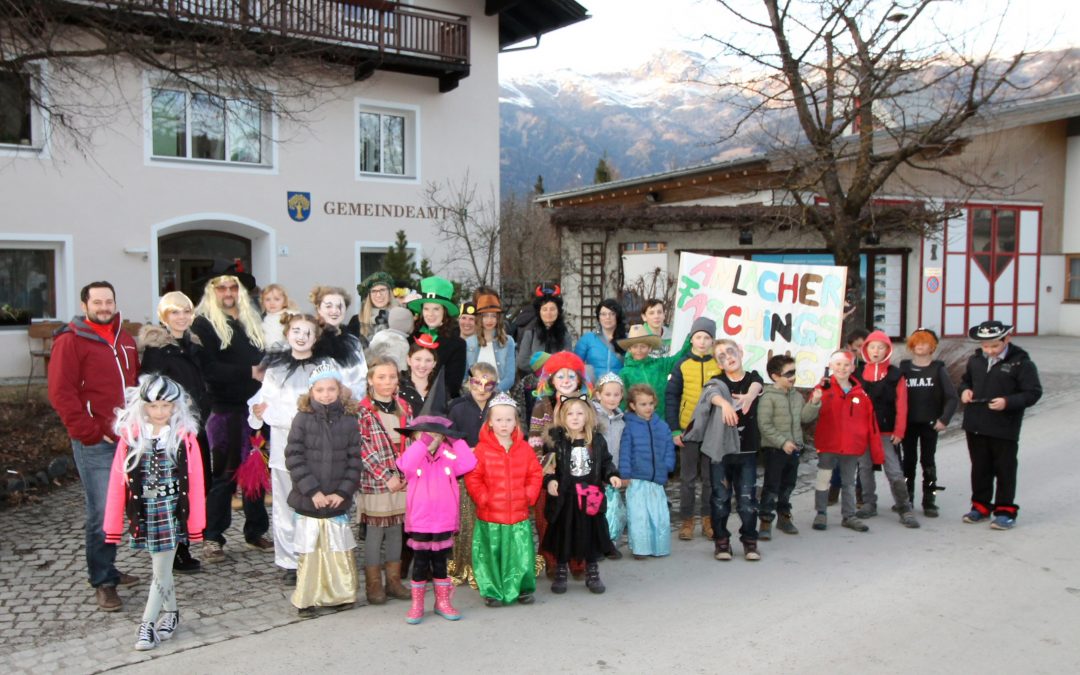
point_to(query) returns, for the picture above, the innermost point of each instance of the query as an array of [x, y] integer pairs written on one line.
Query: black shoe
[[183, 563], [562, 572], [289, 578], [613, 554], [492, 602], [526, 599], [592, 578]]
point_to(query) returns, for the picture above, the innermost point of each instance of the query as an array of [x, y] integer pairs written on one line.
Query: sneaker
[[289, 578], [148, 637], [167, 624], [213, 552], [907, 519], [750, 551], [974, 516], [867, 511], [1002, 522], [854, 523], [723, 549], [261, 544], [821, 521]]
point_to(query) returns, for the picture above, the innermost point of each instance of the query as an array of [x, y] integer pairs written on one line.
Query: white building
[[176, 181], [1013, 257]]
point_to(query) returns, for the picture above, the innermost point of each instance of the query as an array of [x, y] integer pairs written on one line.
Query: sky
[[623, 34]]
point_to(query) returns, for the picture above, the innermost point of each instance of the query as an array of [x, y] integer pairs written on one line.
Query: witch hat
[[433, 414]]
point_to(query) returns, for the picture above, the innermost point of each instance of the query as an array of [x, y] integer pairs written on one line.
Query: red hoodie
[[505, 483], [846, 424], [886, 387], [87, 377]]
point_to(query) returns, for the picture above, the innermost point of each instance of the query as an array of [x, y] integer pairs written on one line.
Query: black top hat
[[989, 330]]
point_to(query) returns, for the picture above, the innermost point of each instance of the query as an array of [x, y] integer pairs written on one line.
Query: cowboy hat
[[989, 330], [488, 303], [639, 335]]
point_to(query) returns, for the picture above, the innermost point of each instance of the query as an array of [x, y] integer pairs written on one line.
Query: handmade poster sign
[[767, 308]]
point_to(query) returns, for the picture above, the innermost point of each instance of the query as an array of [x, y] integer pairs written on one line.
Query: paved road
[[947, 596]]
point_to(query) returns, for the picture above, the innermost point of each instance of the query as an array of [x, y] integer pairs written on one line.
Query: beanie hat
[[400, 319]]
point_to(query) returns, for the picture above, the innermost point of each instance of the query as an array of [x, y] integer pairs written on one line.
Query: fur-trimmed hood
[[151, 335]]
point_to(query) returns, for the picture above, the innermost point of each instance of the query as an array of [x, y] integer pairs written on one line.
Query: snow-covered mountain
[[666, 113]]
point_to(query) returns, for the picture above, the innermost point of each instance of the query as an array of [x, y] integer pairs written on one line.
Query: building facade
[[177, 181]]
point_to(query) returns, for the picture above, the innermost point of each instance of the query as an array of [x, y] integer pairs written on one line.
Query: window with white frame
[[387, 141], [202, 126], [28, 279], [21, 124]]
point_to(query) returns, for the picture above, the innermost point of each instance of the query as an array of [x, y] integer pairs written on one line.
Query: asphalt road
[[948, 597]]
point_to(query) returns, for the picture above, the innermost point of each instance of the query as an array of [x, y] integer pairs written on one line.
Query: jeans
[[693, 464], [94, 463], [781, 472], [735, 475], [894, 473], [228, 434], [847, 465]]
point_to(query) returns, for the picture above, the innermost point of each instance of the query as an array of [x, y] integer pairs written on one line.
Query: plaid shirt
[[377, 452]]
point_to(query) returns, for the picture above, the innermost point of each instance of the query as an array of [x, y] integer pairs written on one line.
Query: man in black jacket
[[1000, 382], [231, 333]]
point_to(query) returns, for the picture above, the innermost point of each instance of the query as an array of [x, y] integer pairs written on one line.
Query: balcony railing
[[383, 26]]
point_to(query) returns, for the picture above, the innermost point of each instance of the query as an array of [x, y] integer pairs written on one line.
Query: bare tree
[[529, 248], [468, 224], [72, 57], [878, 92]]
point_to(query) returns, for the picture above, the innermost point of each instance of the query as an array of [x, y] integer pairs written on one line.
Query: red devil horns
[[553, 290]]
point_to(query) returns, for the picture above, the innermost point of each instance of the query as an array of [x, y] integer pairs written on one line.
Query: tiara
[[609, 377], [326, 369], [502, 398]]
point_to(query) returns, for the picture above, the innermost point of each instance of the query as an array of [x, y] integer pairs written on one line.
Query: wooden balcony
[[369, 35]]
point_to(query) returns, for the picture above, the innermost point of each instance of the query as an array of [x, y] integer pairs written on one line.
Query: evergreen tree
[[399, 263], [603, 173]]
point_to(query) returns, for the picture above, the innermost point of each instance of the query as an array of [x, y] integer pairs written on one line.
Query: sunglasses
[[789, 374], [486, 385]]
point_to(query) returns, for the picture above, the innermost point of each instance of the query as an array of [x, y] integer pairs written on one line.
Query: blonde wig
[[247, 315]]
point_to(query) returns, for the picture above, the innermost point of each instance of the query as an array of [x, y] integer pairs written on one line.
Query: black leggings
[[429, 565], [920, 434]]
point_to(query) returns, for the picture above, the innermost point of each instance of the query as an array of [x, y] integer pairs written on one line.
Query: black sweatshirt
[[931, 394]]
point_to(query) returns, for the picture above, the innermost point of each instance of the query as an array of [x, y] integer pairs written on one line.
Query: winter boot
[[376, 592], [416, 612], [723, 549], [764, 532], [867, 511], [750, 551], [183, 563], [706, 527], [929, 505], [592, 578], [562, 573], [394, 587], [821, 521], [785, 524], [686, 530], [444, 591]]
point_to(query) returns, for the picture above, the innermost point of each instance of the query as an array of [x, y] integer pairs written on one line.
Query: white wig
[[131, 423]]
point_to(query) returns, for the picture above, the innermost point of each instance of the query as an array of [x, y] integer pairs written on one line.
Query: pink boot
[[416, 612], [444, 590]]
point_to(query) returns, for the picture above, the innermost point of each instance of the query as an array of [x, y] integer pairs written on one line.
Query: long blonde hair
[[367, 310], [246, 314], [590, 417]]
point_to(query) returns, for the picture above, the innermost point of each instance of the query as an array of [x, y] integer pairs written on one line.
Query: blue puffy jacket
[[597, 354], [646, 451]]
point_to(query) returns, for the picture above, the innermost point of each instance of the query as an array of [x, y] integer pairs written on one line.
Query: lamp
[[746, 237]]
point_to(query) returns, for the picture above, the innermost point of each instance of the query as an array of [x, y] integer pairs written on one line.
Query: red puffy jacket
[[846, 424], [505, 483], [87, 377]]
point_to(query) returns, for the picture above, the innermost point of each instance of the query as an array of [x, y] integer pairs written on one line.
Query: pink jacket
[[116, 503], [432, 499]]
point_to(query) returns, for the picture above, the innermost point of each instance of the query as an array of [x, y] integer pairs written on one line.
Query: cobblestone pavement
[[49, 621]]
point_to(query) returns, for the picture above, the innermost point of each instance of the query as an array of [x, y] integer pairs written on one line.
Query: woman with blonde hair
[[172, 350], [377, 298]]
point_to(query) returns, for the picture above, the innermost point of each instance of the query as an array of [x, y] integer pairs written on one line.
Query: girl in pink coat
[[432, 464], [157, 481]]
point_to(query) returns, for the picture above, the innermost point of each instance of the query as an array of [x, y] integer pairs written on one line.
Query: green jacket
[[653, 371], [781, 416]]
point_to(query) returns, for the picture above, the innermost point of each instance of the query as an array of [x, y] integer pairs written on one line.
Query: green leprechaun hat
[[438, 290]]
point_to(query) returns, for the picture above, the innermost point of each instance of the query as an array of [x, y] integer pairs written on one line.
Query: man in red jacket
[[93, 361]]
